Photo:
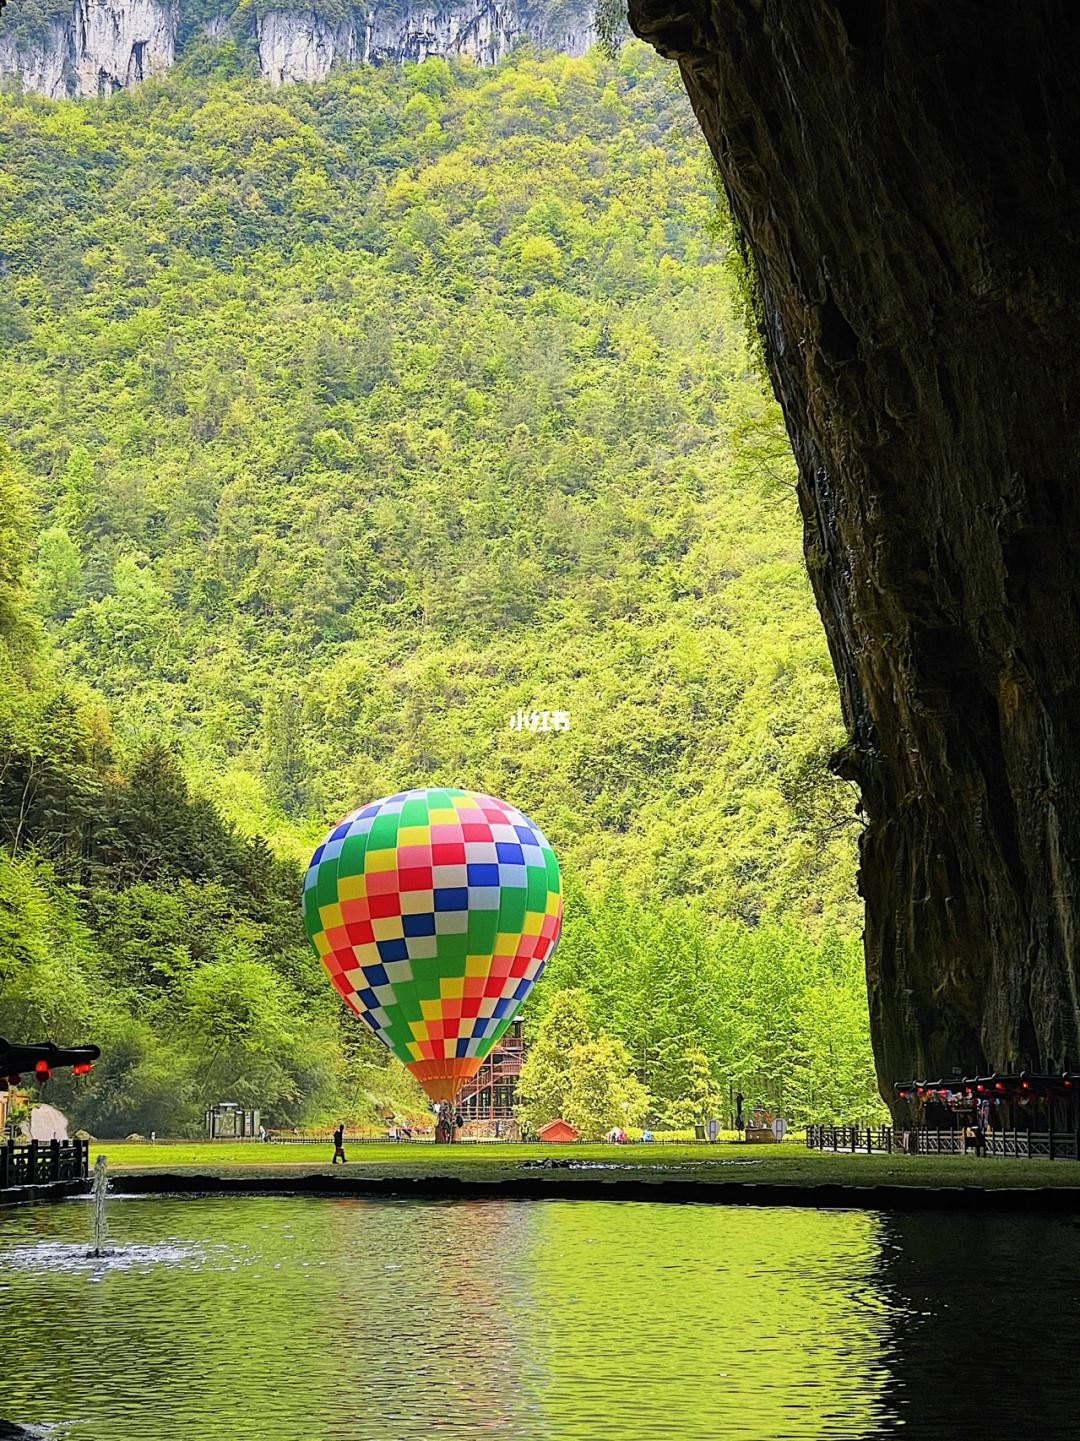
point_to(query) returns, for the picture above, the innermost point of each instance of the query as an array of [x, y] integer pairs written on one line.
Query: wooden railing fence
[[929, 1141], [43, 1163]]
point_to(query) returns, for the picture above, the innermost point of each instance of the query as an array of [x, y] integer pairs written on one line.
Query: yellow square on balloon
[[384, 860], [413, 836], [477, 965], [351, 888], [533, 921], [331, 916], [452, 986]]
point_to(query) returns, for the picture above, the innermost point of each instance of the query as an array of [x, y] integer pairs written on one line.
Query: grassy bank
[[787, 1165]]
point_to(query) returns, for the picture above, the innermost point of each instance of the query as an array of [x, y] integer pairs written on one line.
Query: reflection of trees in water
[[984, 1325], [549, 1321], [706, 1321]]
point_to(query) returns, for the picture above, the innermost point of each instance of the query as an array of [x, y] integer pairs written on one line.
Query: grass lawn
[[790, 1164]]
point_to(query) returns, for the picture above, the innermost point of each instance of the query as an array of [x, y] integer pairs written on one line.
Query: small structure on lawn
[[558, 1130], [228, 1121]]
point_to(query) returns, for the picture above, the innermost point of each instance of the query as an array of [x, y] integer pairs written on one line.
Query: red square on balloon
[[383, 906], [448, 853], [381, 883], [415, 878], [361, 934], [476, 831]]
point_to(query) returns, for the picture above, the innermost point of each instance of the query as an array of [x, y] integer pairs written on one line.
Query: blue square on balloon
[[368, 999], [395, 950], [462, 1047], [317, 857], [376, 976], [479, 874], [452, 898], [501, 1007], [479, 1029], [522, 990], [419, 925], [526, 835], [342, 830], [368, 811], [510, 853]]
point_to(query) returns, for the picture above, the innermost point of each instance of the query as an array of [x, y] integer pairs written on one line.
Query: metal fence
[[928, 1141], [43, 1163]]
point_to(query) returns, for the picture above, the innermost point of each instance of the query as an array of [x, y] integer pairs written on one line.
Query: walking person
[[339, 1145]]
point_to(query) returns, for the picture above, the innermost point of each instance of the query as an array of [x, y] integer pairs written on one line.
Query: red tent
[[557, 1131]]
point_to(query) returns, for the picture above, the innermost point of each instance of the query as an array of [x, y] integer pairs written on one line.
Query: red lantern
[[42, 1070], [14, 1080]]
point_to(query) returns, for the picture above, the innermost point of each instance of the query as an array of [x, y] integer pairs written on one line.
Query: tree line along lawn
[[786, 1165]]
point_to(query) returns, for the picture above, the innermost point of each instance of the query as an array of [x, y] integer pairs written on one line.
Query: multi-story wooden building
[[487, 1100]]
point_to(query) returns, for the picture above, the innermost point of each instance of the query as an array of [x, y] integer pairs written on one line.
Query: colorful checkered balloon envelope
[[434, 912]]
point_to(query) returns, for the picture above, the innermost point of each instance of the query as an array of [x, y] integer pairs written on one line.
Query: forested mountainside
[[352, 420]]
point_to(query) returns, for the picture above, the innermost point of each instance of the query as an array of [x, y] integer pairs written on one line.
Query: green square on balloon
[[351, 860], [383, 833], [453, 947], [415, 812], [537, 888], [483, 928], [326, 882], [513, 904]]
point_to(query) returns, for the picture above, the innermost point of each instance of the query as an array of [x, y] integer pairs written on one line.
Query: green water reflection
[[319, 1318]]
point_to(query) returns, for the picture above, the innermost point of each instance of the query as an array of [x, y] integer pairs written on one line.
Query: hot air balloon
[[434, 912]]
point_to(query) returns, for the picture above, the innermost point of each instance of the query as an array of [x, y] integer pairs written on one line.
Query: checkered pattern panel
[[434, 913]]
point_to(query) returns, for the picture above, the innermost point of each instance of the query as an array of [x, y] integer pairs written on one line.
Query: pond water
[[297, 1319]]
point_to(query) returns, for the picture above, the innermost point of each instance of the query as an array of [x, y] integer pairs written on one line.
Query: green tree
[[602, 1092], [545, 1074]]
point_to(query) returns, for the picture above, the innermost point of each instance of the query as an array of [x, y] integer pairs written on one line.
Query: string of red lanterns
[[1019, 1087]]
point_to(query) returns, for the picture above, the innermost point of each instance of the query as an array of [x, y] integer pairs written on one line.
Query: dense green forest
[[343, 423]]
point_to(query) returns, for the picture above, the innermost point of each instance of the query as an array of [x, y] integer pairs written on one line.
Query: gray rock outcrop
[[106, 45]]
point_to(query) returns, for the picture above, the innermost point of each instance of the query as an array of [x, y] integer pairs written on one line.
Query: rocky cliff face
[[108, 44], [908, 178], [104, 46], [298, 45]]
